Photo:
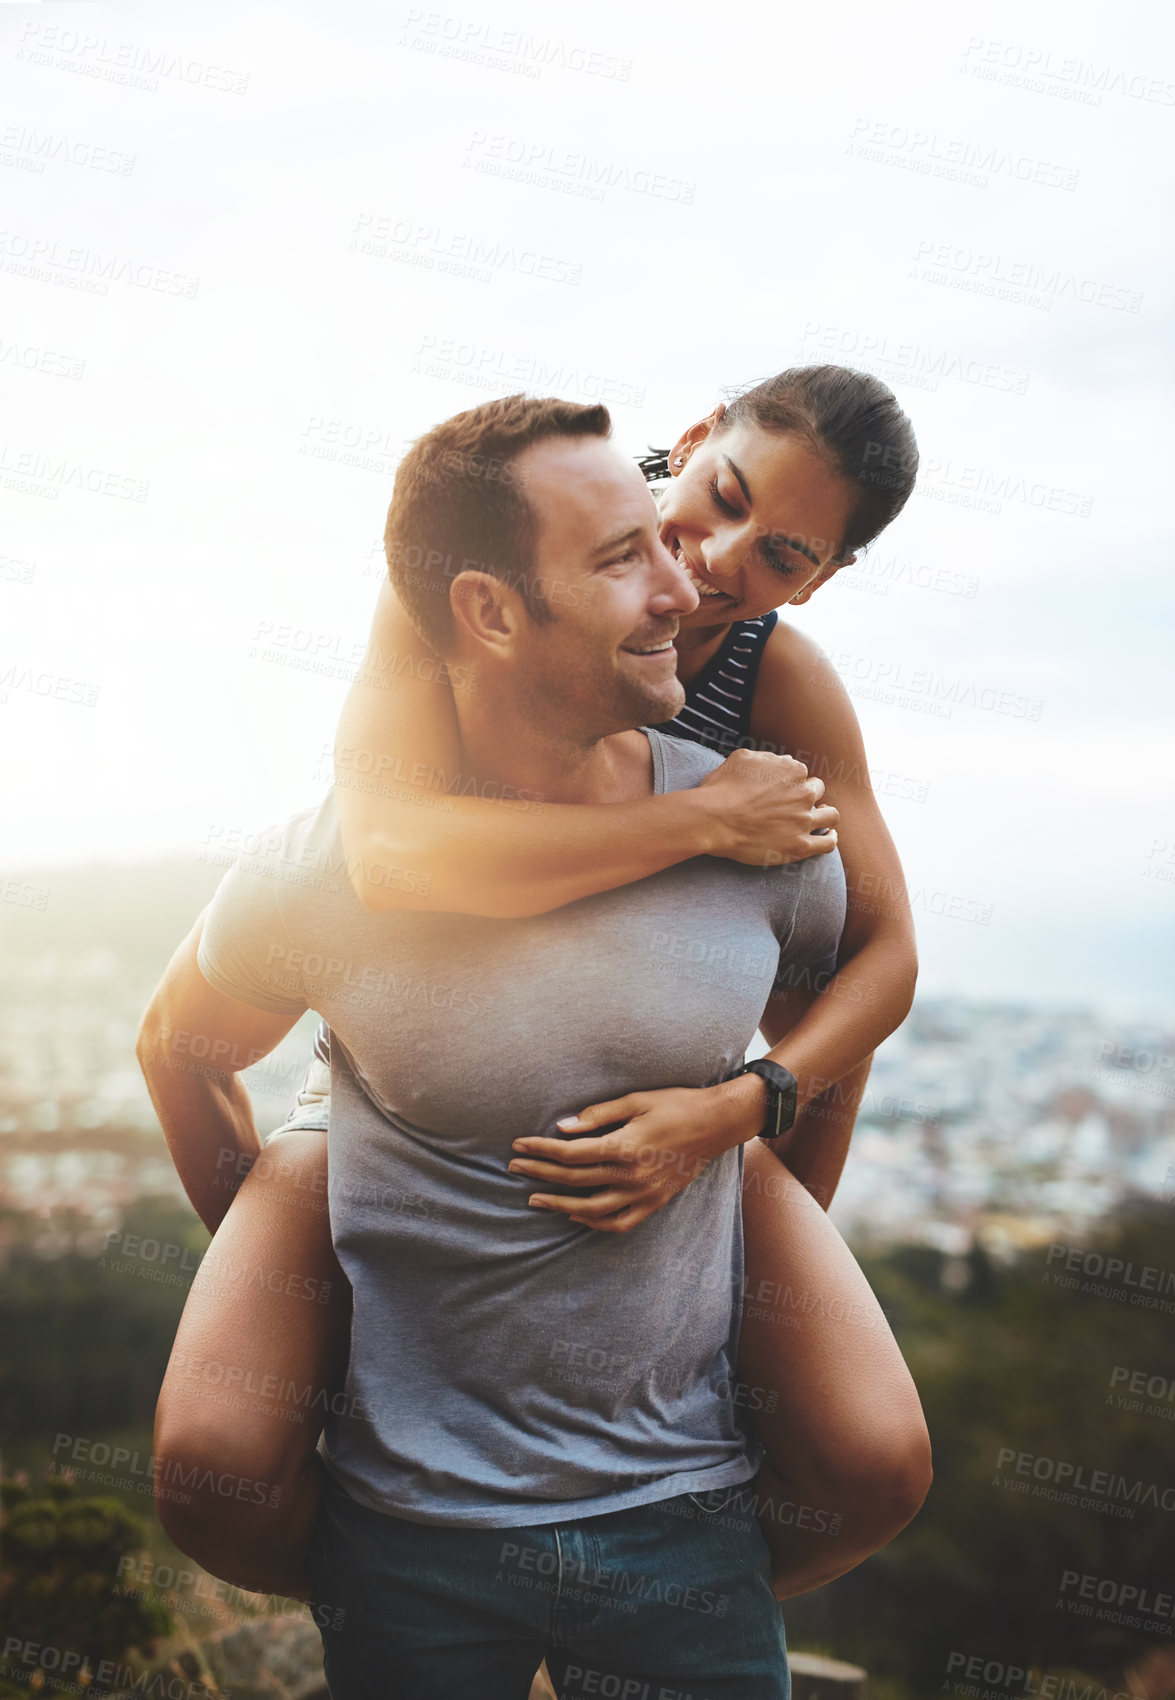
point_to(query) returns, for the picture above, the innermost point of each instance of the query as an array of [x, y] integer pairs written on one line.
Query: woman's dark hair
[[850, 418]]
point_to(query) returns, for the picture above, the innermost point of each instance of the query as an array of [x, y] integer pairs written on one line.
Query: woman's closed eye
[[766, 550], [787, 568], [720, 502]]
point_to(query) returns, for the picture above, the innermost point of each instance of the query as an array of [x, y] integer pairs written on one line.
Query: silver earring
[[677, 462]]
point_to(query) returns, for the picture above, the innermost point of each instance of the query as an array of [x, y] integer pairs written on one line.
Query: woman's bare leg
[[848, 1455], [260, 1351]]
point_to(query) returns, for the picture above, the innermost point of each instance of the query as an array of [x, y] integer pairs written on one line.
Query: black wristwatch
[[781, 1096]]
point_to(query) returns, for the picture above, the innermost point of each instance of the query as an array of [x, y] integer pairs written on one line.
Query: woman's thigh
[[819, 1369], [262, 1343]]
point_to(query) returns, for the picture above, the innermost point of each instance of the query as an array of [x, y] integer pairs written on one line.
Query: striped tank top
[[717, 709]]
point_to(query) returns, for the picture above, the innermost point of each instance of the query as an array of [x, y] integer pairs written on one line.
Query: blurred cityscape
[[990, 1124]]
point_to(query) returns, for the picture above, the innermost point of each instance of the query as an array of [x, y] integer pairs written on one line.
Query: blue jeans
[[670, 1601]]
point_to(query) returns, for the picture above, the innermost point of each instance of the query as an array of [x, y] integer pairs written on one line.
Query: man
[[486, 1505]]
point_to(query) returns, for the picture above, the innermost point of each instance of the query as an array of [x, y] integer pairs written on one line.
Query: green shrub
[[60, 1593]]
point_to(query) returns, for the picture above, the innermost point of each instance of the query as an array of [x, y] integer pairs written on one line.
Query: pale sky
[[236, 242]]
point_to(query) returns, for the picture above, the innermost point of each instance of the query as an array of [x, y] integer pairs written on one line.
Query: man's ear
[[685, 445], [486, 613]]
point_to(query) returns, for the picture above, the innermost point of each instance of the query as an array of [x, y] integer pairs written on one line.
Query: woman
[[767, 499]]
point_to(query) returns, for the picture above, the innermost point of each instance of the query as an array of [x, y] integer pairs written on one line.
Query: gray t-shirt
[[507, 1366]]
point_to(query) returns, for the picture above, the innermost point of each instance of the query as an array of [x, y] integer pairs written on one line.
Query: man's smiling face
[[605, 662]]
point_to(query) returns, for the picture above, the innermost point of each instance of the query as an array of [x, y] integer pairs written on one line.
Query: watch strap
[[782, 1087]]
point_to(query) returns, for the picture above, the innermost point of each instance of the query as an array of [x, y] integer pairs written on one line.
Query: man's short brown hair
[[458, 505]]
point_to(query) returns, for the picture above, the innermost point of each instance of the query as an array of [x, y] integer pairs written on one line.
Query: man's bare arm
[[203, 1108]]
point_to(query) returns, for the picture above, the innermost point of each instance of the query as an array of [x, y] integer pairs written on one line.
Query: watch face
[[781, 1096]]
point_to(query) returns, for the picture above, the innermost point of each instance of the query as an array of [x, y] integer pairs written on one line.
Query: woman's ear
[[830, 571], [685, 445]]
